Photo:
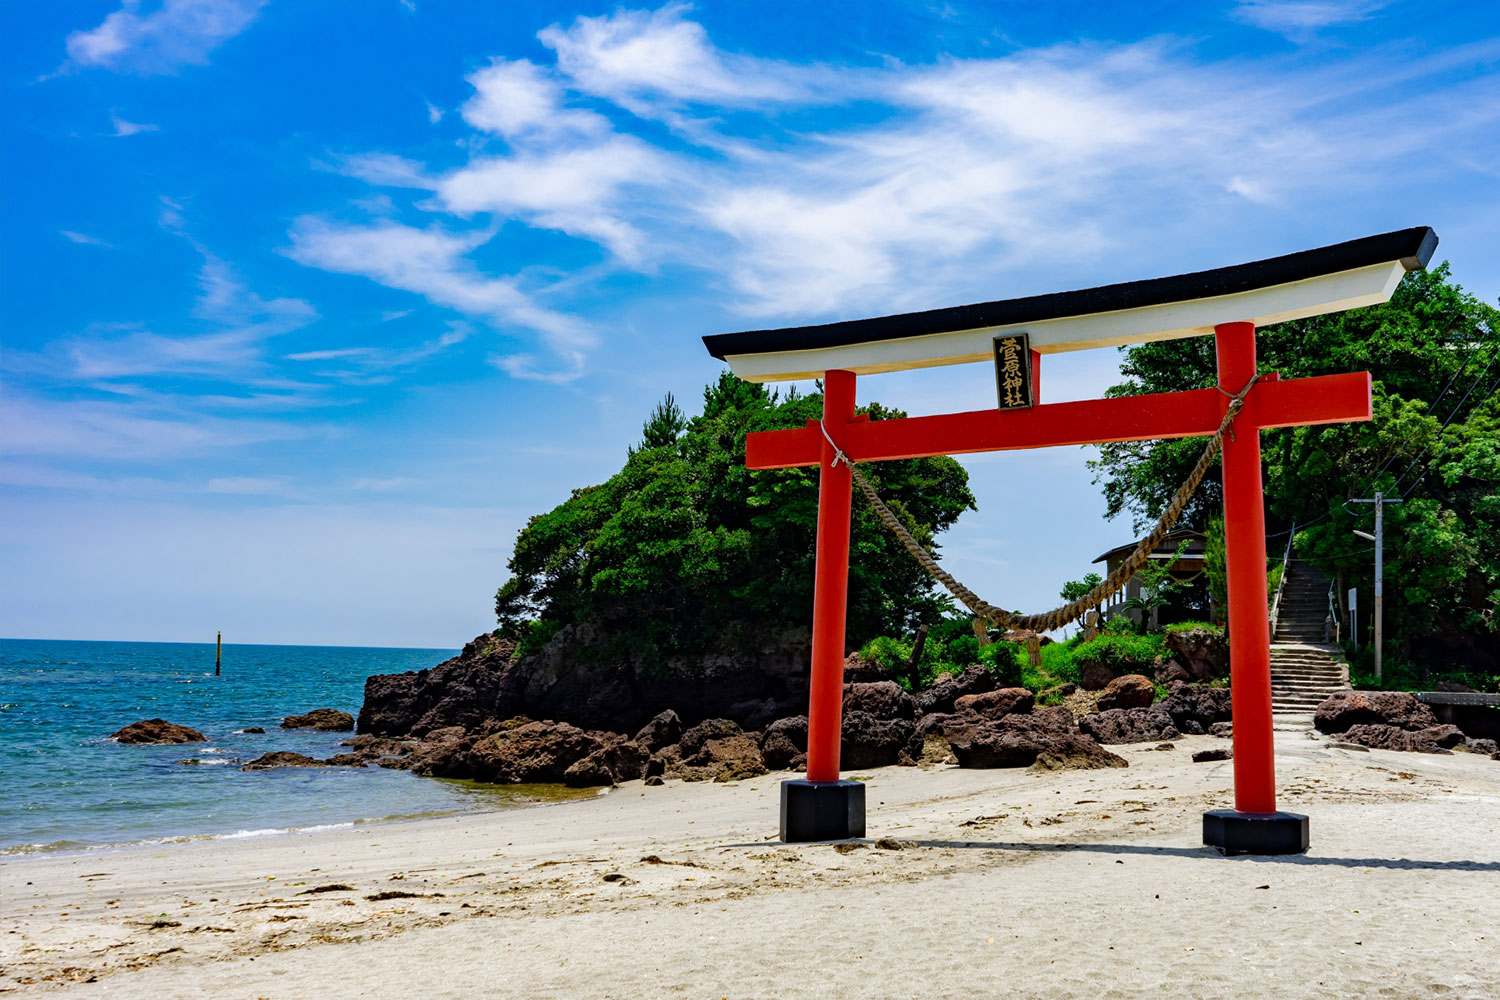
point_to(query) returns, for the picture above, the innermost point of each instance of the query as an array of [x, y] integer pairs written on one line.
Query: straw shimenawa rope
[[1069, 612]]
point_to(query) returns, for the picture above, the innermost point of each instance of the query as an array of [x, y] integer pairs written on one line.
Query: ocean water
[[64, 785]]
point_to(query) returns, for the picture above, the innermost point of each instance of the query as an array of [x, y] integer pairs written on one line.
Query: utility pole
[[1379, 539]]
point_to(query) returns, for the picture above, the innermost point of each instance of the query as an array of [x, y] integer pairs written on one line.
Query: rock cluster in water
[[158, 731]]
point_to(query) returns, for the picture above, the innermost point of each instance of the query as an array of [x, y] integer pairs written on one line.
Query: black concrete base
[[822, 810], [1255, 833]]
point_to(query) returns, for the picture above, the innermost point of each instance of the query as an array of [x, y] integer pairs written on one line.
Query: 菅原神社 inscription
[[1013, 371]]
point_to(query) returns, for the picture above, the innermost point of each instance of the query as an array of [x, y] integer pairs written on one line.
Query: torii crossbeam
[[1229, 303]]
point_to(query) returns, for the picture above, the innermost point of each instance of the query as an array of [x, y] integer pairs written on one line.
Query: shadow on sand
[[1182, 852]]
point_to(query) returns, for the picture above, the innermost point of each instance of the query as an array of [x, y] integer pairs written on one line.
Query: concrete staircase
[[1304, 670]]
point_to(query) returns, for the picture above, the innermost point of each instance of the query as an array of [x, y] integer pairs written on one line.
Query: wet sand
[[973, 883]]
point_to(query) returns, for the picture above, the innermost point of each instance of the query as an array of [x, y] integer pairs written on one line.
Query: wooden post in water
[[218, 653]]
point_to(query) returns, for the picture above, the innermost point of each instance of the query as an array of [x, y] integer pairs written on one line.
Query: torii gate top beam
[[1294, 286]]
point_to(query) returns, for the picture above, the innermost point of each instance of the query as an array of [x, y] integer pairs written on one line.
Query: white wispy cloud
[[176, 34], [433, 263], [84, 238], [968, 169], [1299, 19], [124, 128]]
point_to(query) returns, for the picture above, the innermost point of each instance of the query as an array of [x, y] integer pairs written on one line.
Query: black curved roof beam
[[1294, 286]]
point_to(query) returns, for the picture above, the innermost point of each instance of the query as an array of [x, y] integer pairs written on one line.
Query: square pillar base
[[1235, 832], [822, 810]]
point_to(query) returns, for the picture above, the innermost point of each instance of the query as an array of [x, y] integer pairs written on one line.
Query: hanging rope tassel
[[1057, 617]]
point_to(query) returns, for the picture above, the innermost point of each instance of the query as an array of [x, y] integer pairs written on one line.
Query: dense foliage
[[686, 551], [1434, 443]]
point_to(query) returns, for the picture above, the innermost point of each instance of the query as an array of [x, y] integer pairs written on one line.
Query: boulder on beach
[[941, 696], [1020, 740], [867, 741], [327, 719], [1431, 739], [1344, 709], [284, 758], [663, 730], [783, 741], [996, 704], [158, 731], [882, 699], [1129, 691], [1130, 725]]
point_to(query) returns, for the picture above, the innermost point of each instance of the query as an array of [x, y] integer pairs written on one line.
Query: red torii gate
[[1227, 302]]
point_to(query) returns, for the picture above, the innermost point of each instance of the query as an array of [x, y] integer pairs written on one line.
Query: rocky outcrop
[[1202, 653], [942, 695], [1195, 708], [1431, 739], [783, 742], [664, 729], [327, 719], [1130, 725], [285, 758], [1095, 677], [157, 731], [464, 691], [996, 704], [867, 741], [858, 670], [571, 679], [1129, 691], [1399, 709], [882, 699], [1021, 740], [623, 761]]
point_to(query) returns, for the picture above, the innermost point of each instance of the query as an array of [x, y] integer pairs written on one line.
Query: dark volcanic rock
[[575, 679], [1129, 691], [1432, 739], [882, 699], [867, 741], [996, 704], [1130, 725], [941, 696], [1202, 653], [1218, 753], [252, 729], [694, 739], [327, 719], [719, 758], [1095, 677], [530, 752], [664, 729], [1020, 740], [1400, 709], [284, 758], [1479, 746], [858, 670], [782, 741], [463, 691], [158, 731], [1194, 708]]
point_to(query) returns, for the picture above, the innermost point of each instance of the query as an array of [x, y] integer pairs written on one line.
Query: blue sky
[[306, 307]]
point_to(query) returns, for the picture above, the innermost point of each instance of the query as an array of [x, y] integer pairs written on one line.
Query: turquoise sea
[[64, 785]]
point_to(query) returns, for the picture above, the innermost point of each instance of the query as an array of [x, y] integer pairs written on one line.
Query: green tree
[[1434, 354], [1075, 589], [686, 551], [664, 426]]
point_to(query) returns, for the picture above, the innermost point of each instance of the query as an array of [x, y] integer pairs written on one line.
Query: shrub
[[1128, 654]]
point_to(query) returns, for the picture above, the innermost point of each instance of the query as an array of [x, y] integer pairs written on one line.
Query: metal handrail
[[1333, 613], [1286, 561]]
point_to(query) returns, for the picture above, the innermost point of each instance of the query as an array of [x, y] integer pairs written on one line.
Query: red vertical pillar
[[831, 588], [1245, 551], [1036, 378]]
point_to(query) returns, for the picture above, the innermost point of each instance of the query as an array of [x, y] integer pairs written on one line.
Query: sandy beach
[[993, 883]]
